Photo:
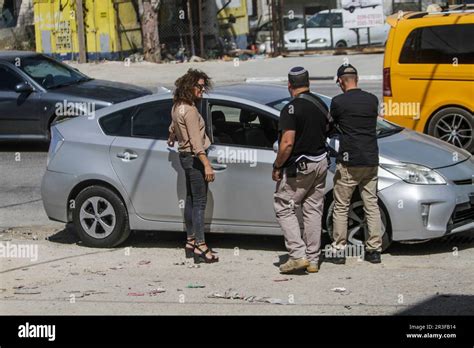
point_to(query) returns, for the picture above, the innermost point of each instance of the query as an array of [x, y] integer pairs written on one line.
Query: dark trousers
[[196, 196]]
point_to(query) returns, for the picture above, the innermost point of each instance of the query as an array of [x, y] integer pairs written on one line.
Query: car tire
[[341, 44], [100, 218], [450, 119], [357, 238]]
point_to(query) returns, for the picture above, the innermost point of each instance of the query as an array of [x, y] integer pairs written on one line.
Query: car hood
[[101, 90], [412, 147]]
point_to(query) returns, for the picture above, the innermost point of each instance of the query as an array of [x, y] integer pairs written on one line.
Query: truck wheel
[[100, 217]]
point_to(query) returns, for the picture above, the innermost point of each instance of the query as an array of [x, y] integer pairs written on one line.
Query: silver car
[[115, 173]]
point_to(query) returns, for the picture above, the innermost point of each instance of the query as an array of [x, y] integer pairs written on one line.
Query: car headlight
[[415, 174], [316, 41]]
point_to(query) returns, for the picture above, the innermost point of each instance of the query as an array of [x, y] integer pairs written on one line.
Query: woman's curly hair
[[184, 91]]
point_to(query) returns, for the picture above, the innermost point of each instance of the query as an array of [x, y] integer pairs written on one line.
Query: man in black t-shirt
[[300, 171], [355, 114]]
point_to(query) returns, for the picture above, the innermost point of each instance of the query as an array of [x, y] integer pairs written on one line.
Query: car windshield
[[324, 20], [49, 73], [384, 127]]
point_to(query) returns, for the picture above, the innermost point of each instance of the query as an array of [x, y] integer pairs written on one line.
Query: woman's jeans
[[196, 196]]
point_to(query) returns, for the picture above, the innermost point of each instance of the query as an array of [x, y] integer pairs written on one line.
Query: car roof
[[258, 93], [426, 16], [10, 56]]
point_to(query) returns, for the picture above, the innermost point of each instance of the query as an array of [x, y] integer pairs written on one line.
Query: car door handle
[[127, 156], [218, 166]]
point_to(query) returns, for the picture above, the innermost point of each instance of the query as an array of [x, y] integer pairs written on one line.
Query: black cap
[[298, 77], [346, 69]]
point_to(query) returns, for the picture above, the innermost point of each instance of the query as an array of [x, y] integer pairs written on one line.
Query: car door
[[148, 169], [242, 193], [19, 112]]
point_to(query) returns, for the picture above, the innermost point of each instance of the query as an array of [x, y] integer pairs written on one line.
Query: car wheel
[[357, 230], [453, 125], [100, 217], [341, 44]]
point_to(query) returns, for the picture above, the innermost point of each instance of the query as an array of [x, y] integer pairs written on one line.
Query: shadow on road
[[454, 243], [162, 239], [445, 304], [24, 146]]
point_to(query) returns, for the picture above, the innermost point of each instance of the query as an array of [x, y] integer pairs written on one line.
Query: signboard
[[362, 13]]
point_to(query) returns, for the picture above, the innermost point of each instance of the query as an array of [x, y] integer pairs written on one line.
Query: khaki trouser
[[346, 180], [305, 190]]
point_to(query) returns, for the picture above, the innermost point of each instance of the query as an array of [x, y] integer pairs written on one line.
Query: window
[[242, 126], [152, 120], [325, 20], [444, 44], [8, 79], [50, 73], [118, 123]]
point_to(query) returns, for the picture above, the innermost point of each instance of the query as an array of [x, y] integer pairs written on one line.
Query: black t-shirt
[[355, 113], [309, 124]]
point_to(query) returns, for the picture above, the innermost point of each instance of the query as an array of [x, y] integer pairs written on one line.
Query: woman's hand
[[209, 173]]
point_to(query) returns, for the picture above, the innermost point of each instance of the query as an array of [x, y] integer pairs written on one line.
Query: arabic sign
[[362, 13]]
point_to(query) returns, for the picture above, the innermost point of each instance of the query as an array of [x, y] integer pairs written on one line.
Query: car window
[[152, 120], [8, 79], [50, 73], [324, 20], [118, 123], [242, 126], [443, 44]]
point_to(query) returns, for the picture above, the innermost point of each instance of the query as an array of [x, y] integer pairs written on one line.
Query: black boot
[[372, 256]]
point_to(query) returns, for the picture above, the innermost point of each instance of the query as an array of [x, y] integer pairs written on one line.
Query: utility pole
[[148, 11], [80, 31]]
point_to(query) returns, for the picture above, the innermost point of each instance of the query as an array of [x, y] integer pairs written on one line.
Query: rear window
[[118, 123], [443, 44]]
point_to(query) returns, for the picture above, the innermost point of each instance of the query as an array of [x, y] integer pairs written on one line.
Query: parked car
[[429, 64], [351, 5], [264, 30], [129, 179], [36, 89], [318, 33]]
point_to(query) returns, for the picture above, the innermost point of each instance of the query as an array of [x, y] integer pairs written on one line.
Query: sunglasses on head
[[200, 87]]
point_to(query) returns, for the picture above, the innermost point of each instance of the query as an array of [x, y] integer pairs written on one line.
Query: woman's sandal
[[199, 258], [189, 248]]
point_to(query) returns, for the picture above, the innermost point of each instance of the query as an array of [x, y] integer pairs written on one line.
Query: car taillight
[[56, 141], [387, 85]]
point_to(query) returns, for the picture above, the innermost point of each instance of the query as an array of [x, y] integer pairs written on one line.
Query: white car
[[318, 33]]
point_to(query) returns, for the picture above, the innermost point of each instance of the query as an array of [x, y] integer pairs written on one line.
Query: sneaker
[[372, 256], [294, 265], [313, 267]]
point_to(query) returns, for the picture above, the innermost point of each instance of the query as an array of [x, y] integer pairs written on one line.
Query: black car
[[36, 90]]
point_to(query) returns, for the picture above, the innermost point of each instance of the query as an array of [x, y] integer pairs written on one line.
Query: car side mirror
[[275, 146], [23, 87]]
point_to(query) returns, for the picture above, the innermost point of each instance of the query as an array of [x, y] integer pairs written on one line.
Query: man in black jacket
[[300, 170], [355, 113]]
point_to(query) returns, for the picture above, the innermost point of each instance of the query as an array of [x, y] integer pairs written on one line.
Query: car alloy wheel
[[357, 229], [454, 128], [97, 217]]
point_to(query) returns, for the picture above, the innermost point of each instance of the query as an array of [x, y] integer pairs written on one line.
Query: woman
[[188, 127]]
